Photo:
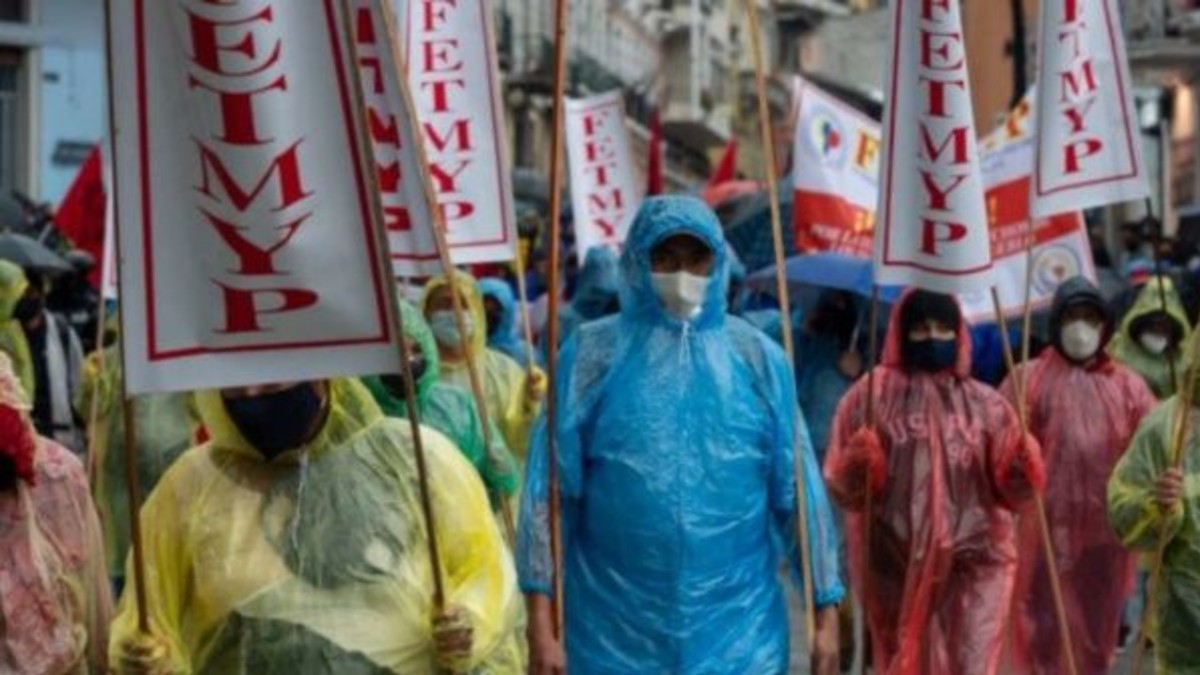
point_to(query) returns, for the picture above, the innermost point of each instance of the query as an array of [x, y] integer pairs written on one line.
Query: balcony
[[1164, 39]]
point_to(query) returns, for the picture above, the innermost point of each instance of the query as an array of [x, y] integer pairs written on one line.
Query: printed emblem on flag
[[828, 138]]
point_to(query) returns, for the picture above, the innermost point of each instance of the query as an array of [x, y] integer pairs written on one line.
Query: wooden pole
[[873, 424], [94, 430], [1064, 626], [443, 251], [127, 408], [552, 327], [526, 321], [764, 119], [396, 318]]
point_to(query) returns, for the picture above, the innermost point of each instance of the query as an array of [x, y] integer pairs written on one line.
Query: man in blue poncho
[[676, 436]]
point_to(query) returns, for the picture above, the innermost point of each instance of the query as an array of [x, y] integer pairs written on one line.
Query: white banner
[[393, 132], [836, 174], [933, 226], [605, 191], [109, 288], [248, 245], [1089, 151], [449, 55]]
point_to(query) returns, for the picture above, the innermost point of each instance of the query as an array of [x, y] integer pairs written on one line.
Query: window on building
[[13, 10], [10, 119]]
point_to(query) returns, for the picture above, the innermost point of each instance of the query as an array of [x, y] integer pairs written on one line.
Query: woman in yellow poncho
[[12, 337], [293, 543], [513, 395]]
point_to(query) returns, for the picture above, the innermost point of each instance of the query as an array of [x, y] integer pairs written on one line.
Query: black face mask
[[493, 323], [930, 356], [28, 307], [395, 383], [278, 422]]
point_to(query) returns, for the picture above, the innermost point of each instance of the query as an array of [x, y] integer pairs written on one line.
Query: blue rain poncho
[[676, 446], [596, 292], [505, 337]]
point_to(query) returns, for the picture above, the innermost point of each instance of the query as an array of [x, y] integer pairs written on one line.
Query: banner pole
[[397, 319], [764, 120], [1060, 611], [552, 328], [873, 424], [127, 407]]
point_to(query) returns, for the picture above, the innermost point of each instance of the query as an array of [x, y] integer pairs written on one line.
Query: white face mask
[[1081, 340], [1154, 343], [681, 293]]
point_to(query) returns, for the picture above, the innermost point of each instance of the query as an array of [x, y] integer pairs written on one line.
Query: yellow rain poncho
[[504, 381], [12, 337], [315, 563], [1137, 519], [1125, 348], [165, 425]]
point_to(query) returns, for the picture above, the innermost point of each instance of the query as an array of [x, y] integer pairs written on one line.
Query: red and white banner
[[450, 60], [248, 245], [933, 229], [108, 286], [1089, 151], [830, 196], [836, 175], [393, 131], [605, 192]]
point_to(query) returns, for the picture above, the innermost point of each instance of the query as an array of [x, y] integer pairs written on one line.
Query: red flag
[[80, 216], [654, 168], [727, 168]]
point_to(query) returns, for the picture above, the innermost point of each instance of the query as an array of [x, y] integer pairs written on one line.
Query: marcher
[[676, 435], [55, 602], [1146, 497], [165, 426], [503, 318], [513, 395], [57, 357], [12, 336], [293, 542], [1084, 409], [596, 292], [946, 466], [827, 363], [446, 408], [1150, 339]]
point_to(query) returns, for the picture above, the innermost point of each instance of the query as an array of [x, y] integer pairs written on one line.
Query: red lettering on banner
[[945, 135], [384, 128], [605, 202], [236, 52], [439, 69], [1078, 91]]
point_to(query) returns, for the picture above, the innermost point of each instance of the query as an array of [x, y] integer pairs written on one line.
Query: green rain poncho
[[503, 380], [316, 563], [451, 410], [1125, 348], [12, 337], [1137, 519], [165, 425]]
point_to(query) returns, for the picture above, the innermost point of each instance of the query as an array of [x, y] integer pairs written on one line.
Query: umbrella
[[829, 270], [30, 255]]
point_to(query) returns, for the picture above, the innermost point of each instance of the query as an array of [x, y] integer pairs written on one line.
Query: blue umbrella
[[829, 270]]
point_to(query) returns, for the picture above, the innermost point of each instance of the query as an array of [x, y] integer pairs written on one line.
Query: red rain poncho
[[943, 559], [1084, 419]]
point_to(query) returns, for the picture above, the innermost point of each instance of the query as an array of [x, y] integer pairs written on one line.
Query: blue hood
[[598, 285], [658, 219]]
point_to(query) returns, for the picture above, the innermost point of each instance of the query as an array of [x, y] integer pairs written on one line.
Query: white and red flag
[[605, 191], [1088, 151], [248, 244], [450, 60], [933, 227]]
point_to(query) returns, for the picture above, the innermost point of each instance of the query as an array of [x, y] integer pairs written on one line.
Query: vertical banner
[[393, 133], [1089, 151], [249, 249], [836, 174], [450, 62], [605, 194], [108, 252], [933, 226]]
